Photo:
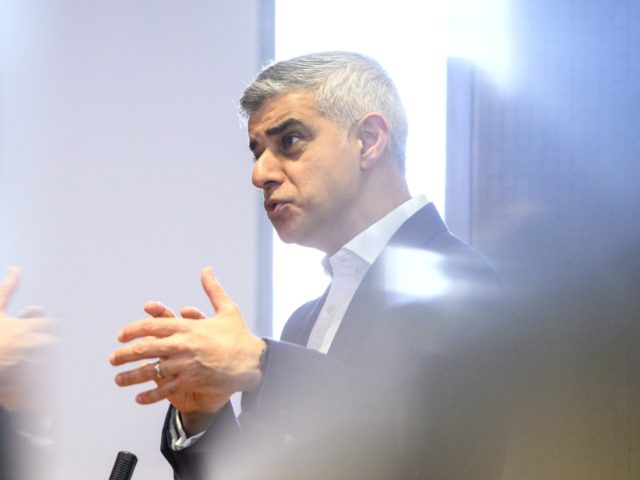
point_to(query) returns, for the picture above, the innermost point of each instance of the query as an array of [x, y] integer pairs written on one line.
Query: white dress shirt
[[348, 266]]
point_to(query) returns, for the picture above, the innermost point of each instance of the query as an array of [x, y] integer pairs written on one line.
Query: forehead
[[278, 109]]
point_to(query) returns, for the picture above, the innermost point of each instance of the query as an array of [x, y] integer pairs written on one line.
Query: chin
[[289, 236], [286, 235]]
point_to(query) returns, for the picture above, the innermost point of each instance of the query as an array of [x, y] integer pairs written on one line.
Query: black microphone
[[123, 466]]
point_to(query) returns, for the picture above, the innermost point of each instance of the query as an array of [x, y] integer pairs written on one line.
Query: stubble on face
[[307, 170]]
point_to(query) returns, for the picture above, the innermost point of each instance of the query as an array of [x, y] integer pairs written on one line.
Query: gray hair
[[346, 85]]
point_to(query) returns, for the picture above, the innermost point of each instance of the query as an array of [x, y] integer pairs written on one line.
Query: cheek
[[343, 179], [328, 178]]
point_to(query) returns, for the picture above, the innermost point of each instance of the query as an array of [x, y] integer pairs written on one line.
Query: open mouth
[[273, 208], [270, 205]]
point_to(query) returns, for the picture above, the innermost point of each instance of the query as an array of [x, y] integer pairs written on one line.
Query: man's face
[[307, 171]]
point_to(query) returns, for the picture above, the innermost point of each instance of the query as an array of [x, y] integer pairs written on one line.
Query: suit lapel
[[302, 333], [371, 298]]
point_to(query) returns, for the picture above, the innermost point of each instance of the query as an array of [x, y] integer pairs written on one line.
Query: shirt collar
[[369, 243]]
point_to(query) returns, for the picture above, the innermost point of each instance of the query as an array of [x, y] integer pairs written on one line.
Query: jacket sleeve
[[210, 453]]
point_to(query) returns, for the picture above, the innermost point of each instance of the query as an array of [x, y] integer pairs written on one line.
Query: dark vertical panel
[[460, 75], [555, 202], [265, 232], [267, 14]]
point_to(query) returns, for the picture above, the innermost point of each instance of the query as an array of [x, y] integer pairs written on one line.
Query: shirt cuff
[[179, 438]]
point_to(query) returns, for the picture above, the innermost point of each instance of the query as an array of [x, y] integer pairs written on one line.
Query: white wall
[[123, 171]]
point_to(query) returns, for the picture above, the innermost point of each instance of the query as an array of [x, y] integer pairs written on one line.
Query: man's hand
[[21, 339], [203, 360]]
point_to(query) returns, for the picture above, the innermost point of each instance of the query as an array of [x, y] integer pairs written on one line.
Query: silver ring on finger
[[158, 369]]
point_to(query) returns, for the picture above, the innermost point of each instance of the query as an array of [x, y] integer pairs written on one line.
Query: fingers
[[32, 312], [162, 325], [7, 286], [33, 340], [219, 298], [17, 325], [150, 327], [160, 393], [157, 310], [144, 373], [192, 313], [22, 333], [143, 351]]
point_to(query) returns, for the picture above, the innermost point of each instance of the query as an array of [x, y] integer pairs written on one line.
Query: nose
[[267, 171]]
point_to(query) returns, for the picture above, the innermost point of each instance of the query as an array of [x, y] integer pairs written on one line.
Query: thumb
[[7, 286], [220, 300]]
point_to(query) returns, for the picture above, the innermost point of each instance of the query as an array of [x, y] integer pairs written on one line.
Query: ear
[[373, 132]]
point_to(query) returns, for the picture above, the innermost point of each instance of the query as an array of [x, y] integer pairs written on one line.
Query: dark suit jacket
[[410, 388]]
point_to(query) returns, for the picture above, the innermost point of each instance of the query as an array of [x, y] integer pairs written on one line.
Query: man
[[379, 378]]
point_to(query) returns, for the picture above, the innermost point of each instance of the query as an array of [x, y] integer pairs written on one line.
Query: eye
[[290, 139]]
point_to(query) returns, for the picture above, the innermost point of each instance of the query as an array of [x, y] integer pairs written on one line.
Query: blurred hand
[[204, 360], [21, 338]]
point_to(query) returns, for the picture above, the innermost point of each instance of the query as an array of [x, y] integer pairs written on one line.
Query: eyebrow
[[278, 129]]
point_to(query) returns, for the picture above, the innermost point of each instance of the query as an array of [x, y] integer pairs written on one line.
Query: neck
[[380, 196]]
